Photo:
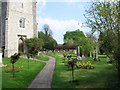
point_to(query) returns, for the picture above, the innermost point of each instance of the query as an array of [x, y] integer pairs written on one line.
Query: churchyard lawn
[[42, 57], [104, 75], [24, 73]]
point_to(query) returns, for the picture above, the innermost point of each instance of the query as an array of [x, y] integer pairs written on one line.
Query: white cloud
[[41, 6], [43, 2], [59, 27]]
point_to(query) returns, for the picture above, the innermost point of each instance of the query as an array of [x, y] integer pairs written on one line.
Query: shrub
[[14, 59]]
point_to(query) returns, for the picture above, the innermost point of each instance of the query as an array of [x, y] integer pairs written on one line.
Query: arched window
[[22, 23], [22, 5]]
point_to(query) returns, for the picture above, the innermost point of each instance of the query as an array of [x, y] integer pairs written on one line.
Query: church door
[[20, 45]]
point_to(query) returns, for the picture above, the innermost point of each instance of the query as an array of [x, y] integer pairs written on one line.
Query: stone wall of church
[[3, 16], [14, 32], [0, 25]]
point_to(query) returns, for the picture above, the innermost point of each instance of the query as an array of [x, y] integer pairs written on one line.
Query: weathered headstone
[[79, 58], [75, 51], [90, 54], [83, 56]]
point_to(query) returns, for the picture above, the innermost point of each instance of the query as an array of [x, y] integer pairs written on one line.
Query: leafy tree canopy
[[77, 37], [104, 17], [34, 45], [73, 36], [46, 35]]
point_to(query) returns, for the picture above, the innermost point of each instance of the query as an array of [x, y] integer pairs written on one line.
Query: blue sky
[[62, 16]]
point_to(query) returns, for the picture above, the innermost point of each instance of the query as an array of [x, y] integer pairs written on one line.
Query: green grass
[[104, 75], [0, 77], [23, 75], [102, 56], [42, 57]]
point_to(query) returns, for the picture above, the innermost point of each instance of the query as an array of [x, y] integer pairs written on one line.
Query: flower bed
[[85, 65]]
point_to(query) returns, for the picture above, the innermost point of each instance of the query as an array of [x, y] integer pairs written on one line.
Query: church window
[[22, 23], [22, 5]]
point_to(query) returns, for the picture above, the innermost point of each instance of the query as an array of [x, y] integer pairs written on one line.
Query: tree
[[34, 45], [73, 36], [78, 38], [41, 35], [72, 60], [91, 39], [104, 18], [14, 59], [49, 42], [106, 43], [48, 32], [93, 45]]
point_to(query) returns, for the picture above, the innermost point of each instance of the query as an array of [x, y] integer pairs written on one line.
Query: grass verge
[[42, 57], [0, 78], [25, 72]]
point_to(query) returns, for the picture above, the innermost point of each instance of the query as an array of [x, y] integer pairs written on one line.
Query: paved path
[[44, 78]]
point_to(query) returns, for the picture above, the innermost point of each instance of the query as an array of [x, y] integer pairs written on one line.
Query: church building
[[17, 22]]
